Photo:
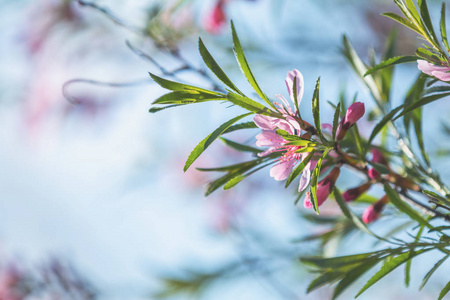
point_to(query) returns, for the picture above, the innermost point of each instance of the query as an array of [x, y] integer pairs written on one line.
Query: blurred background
[[93, 200]]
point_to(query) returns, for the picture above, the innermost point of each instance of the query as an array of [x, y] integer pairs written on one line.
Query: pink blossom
[[353, 114], [215, 21], [372, 213], [324, 189], [289, 123], [440, 72]]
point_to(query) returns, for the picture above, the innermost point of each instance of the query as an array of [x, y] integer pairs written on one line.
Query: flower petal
[[290, 85], [282, 170], [265, 122]]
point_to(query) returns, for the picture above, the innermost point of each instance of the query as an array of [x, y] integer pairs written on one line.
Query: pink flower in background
[[440, 72], [275, 142], [215, 21], [353, 114], [324, 189], [372, 213], [373, 174], [377, 158]]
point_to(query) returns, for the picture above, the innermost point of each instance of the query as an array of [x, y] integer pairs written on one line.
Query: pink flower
[[353, 114], [378, 157], [324, 189], [372, 213], [354, 193], [289, 123], [215, 21], [440, 72]]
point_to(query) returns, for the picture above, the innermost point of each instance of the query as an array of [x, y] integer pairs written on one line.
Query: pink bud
[[216, 19], [354, 113], [324, 189], [354, 193], [378, 157], [373, 174], [372, 213]]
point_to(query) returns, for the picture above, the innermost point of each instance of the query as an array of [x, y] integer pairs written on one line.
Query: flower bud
[[324, 189], [353, 114], [378, 157], [354, 193], [372, 213], [373, 174], [216, 19]]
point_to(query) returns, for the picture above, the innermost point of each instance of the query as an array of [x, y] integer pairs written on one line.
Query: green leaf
[[389, 266], [402, 21], [353, 275], [205, 143], [391, 62], [245, 125], [239, 147], [325, 278], [215, 68], [187, 97], [444, 27], [240, 167], [314, 181], [444, 291], [428, 55], [176, 86], [156, 109], [245, 68], [433, 269], [234, 181], [336, 120], [413, 10], [437, 197], [423, 101], [340, 261], [427, 19], [316, 112], [403, 207], [381, 124], [350, 215], [299, 169], [251, 105]]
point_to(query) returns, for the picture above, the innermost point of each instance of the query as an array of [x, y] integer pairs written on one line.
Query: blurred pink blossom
[[324, 189], [353, 114]]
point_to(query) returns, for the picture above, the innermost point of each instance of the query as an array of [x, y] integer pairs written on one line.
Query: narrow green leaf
[[336, 120], [423, 101], [156, 109], [245, 68], [187, 97], [251, 105], [402, 21], [427, 19], [336, 262], [234, 181], [350, 215], [245, 125], [381, 124], [437, 197], [215, 68], [433, 269], [316, 112], [389, 266], [391, 62], [299, 169], [444, 28], [403, 207], [314, 181], [176, 86], [352, 276], [325, 278], [444, 291], [413, 10], [240, 167], [205, 143], [239, 147], [428, 55], [417, 122]]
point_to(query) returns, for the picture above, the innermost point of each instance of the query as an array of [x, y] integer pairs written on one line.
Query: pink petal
[[327, 126], [269, 139], [440, 72], [304, 179], [299, 82], [282, 170], [265, 122], [370, 215], [354, 113]]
